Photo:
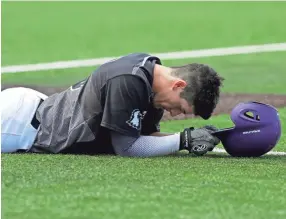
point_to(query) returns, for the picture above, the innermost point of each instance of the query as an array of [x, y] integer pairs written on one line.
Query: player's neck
[[161, 78]]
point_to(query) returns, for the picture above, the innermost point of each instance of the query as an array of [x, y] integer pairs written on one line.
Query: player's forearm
[[145, 146], [161, 134]]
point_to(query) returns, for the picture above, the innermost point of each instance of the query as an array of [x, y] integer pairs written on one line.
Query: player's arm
[[145, 146], [198, 141], [160, 134]]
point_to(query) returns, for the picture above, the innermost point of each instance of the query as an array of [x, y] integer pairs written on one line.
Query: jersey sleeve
[[151, 122], [126, 98]]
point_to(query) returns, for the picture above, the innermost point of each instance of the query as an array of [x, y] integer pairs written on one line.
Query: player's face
[[181, 107], [171, 101], [177, 105]]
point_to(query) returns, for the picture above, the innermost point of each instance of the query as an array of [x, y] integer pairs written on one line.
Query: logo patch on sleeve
[[135, 119]]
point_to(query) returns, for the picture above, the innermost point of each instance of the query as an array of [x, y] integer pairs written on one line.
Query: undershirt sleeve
[[145, 146]]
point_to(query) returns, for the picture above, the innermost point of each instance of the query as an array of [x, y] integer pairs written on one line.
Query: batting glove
[[198, 141]]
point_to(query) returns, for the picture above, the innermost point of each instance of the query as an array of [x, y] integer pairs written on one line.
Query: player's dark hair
[[203, 87]]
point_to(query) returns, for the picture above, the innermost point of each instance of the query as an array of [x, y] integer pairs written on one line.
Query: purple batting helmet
[[257, 130]]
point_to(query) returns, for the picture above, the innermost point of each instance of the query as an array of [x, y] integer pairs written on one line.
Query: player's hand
[[199, 141], [212, 129]]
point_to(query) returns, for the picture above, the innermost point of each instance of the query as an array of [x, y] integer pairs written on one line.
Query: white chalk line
[[277, 153], [275, 47]]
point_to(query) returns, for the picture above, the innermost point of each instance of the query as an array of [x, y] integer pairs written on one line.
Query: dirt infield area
[[225, 105]]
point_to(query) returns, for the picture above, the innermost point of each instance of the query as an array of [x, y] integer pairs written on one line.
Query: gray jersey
[[117, 96]]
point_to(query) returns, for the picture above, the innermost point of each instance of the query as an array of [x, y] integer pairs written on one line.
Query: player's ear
[[179, 83]]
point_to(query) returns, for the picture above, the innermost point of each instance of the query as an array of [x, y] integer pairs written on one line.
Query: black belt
[[35, 123]]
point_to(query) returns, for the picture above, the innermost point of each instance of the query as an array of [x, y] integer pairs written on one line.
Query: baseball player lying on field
[[116, 110]]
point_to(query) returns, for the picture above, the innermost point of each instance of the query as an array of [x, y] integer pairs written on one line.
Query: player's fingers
[[211, 128]]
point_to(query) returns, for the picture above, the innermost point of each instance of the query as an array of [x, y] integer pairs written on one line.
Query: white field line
[[218, 150], [164, 56]]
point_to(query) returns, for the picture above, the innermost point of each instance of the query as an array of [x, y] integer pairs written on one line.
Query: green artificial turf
[[35, 32], [176, 186], [214, 186]]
